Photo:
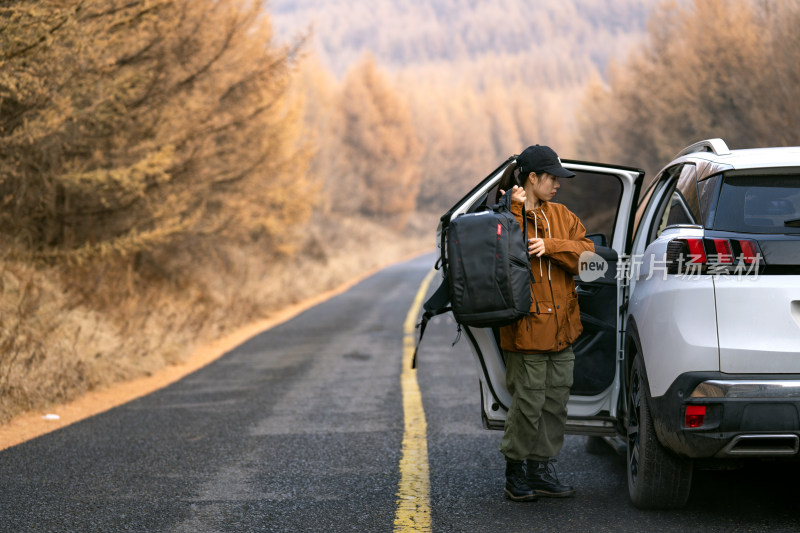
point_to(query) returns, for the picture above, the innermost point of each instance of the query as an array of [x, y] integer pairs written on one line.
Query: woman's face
[[544, 186]]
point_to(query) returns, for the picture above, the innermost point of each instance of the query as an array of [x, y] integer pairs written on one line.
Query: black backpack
[[486, 270]]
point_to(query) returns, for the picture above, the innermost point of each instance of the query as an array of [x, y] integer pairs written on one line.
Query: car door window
[[707, 191], [643, 205], [683, 206], [666, 202], [677, 212], [594, 198], [670, 206], [687, 189]]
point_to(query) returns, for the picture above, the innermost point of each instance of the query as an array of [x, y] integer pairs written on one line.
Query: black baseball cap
[[541, 159]]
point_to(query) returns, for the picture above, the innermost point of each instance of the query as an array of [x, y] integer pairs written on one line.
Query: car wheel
[[657, 479]]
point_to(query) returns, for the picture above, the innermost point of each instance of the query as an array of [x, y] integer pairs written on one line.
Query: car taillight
[[723, 249], [750, 253], [685, 254], [697, 251], [695, 416], [713, 255]]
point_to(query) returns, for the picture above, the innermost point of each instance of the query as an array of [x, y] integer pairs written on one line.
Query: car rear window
[[759, 204]]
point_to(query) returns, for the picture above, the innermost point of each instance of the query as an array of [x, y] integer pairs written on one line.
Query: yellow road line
[[413, 493]]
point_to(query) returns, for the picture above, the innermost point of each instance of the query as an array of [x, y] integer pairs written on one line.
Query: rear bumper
[[746, 415]]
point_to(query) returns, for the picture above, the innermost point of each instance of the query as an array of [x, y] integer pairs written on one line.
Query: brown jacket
[[557, 322]]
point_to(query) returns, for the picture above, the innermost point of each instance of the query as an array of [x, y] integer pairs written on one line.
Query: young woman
[[538, 348]]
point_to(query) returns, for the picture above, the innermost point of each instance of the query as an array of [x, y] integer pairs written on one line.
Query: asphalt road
[[300, 429]]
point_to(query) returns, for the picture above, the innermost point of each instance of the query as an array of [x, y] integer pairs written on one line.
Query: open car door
[[604, 198]]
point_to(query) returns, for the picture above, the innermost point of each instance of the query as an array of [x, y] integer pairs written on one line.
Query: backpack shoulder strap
[[505, 203], [435, 305]]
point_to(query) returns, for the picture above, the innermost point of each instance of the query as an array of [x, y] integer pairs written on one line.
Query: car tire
[[657, 479]]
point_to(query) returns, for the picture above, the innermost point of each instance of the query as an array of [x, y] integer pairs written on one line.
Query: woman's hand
[[517, 194], [536, 247]]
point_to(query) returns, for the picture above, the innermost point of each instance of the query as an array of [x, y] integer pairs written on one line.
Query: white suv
[[690, 308]]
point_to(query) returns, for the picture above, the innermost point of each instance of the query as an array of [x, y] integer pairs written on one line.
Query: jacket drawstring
[[536, 235], [549, 234]]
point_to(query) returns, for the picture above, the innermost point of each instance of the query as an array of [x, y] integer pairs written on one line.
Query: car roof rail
[[716, 146]]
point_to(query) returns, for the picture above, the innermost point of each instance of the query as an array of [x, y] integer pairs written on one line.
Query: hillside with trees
[[171, 170], [559, 40], [155, 187], [715, 68], [482, 80], [149, 125], [137, 139]]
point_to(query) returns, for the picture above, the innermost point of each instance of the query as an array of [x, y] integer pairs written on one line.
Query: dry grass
[[64, 332]]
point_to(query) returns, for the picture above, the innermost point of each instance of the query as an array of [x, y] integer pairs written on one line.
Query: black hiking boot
[[517, 488], [541, 477]]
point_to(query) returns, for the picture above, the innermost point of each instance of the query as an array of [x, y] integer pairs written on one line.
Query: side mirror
[[599, 239]]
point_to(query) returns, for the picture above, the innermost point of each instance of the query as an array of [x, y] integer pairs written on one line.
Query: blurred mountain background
[[482, 80], [469, 41]]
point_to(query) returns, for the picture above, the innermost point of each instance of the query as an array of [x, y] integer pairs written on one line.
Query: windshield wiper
[[792, 223]]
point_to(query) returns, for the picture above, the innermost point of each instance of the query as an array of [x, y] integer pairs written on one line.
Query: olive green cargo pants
[[539, 385]]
